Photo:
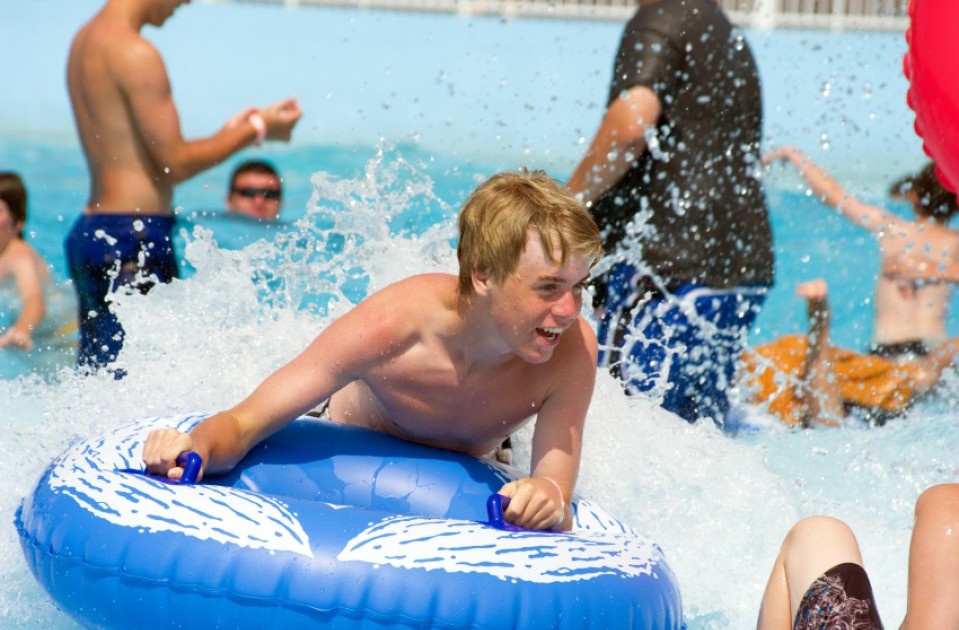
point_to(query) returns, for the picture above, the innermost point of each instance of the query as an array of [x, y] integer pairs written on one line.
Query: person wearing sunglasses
[[255, 191]]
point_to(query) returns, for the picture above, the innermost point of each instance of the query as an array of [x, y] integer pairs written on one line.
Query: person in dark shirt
[[672, 179]]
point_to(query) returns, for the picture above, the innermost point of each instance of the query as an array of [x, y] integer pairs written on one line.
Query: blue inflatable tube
[[325, 525]]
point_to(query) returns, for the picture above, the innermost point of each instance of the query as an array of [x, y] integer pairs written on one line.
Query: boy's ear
[[481, 282]]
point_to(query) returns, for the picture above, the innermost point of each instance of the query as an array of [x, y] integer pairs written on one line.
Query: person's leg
[[107, 252], [646, 345], [90, 266], [634, 343], [813, 546], [709, 330], [612, 308], [933, 591]]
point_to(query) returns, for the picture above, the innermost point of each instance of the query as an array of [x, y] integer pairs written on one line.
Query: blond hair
[[495, 221]]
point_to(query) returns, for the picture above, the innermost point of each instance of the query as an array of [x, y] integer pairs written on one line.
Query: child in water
[[26, 288], [21, 263]]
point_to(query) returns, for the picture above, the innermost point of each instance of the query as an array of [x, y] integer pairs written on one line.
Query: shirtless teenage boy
[[457, 363], [130, 133], [910, 317]]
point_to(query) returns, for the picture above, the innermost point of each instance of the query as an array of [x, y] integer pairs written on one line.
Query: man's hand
[[813, 290], [280, 118], [161, 449], [535, 503]]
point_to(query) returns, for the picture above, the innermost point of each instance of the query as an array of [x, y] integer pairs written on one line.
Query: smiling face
[[534, 306]]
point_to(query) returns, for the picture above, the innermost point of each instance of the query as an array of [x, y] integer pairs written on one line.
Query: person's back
[[708, 206], [110, 66]]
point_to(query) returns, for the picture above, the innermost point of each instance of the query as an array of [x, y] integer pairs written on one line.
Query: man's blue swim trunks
[[680, 344], [109, 251]]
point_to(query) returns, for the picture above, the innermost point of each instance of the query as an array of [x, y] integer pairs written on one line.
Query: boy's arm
[[828, 190], [340, 354], [542, 501]]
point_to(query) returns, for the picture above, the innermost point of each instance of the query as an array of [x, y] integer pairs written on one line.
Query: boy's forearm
[[217, 440]]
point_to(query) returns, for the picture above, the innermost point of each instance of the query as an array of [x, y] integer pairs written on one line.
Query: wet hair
[[253, 166], [495, 221], [930, 198], [14, 194], [901, 188]]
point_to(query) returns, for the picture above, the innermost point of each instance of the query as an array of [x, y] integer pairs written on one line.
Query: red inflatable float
[[931, 64]]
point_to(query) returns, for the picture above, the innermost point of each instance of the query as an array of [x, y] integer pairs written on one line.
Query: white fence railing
[[815, 14]]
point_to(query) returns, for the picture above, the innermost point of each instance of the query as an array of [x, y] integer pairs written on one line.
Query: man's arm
[[146, 86], [618, 142], [542, 500], [828, 190]]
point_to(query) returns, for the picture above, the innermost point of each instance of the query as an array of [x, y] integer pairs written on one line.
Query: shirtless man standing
[[910, 317], [456, 363], [130, 133]]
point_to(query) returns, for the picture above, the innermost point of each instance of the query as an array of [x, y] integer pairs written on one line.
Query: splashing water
[[717, 505]]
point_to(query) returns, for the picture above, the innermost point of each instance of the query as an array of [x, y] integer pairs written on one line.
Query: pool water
[[361, 212]]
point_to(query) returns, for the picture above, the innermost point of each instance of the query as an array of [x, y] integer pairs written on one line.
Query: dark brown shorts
[[839, 598]]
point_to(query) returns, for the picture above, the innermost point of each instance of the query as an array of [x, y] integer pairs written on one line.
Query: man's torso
[[99, 76]]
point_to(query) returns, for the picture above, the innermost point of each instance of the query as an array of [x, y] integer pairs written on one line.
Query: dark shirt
[[700, 188]]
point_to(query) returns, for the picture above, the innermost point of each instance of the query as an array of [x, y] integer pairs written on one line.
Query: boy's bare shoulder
[[420, 290], [404, 302]]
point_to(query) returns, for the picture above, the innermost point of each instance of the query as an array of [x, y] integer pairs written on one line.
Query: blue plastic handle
[[494, 512], [190, 462]]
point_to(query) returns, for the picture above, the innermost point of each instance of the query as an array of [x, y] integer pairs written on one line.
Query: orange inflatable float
[[930, 64], [772, 373]]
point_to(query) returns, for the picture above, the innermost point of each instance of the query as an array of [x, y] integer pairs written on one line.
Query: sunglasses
[[270, 194]]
